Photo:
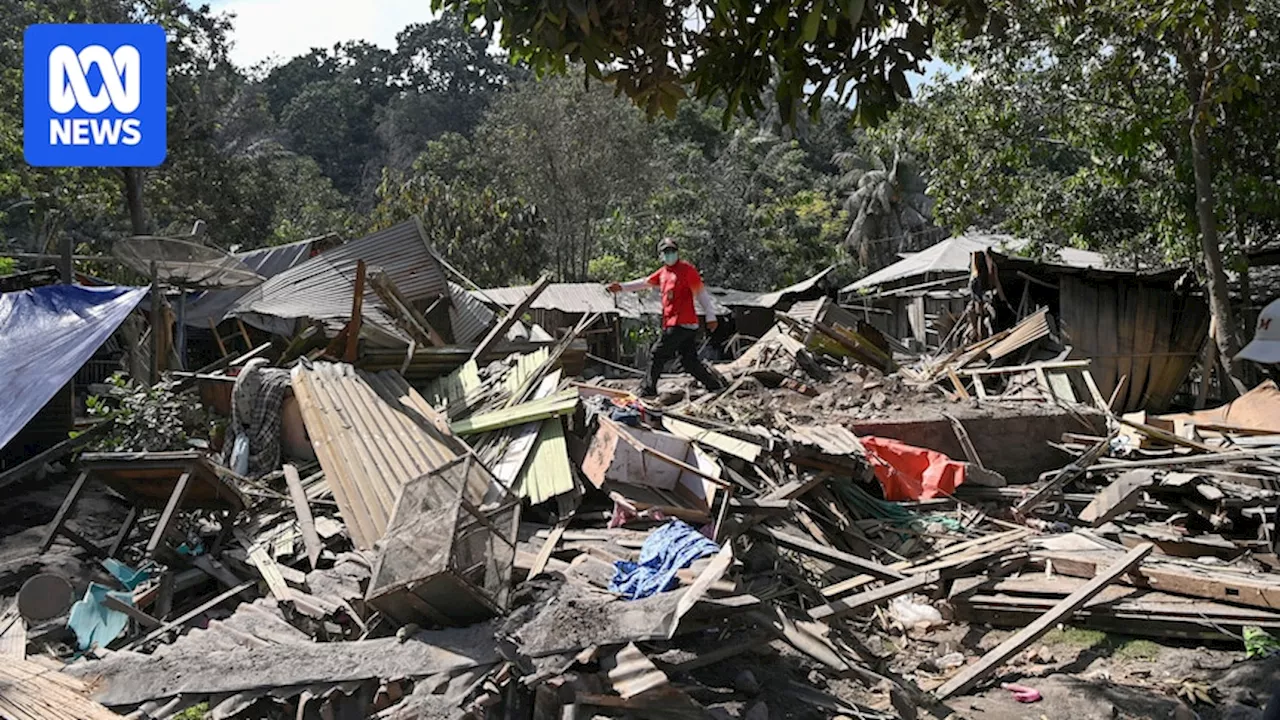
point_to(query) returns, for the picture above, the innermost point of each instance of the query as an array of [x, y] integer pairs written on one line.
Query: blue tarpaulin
[[668, 549], [46, 335]]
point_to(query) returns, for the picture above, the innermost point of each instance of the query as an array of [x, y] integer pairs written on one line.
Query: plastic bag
[[911, 613], [240, 455]]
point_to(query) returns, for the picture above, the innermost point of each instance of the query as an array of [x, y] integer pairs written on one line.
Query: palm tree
[[891, 211]]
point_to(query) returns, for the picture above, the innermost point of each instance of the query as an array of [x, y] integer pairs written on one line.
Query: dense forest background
[[1067, 141]]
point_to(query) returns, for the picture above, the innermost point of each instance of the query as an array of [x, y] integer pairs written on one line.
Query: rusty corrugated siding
[[372, 433]]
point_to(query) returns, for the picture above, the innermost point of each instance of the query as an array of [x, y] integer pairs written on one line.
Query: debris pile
[[506, 540]]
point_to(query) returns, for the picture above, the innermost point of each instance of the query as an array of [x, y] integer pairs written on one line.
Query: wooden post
[[68, 505], [66, 270], [155, 323], [357, 314], [1029, 634], [170, 511]]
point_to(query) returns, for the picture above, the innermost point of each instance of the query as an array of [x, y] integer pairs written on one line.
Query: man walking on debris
[[680, 286]]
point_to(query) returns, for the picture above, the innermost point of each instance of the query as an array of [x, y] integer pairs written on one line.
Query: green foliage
[[195, 712], [493, 239], [148, 418], [8, 266], [659, 53]]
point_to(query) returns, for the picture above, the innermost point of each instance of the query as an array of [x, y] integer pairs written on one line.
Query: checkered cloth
[[256, 405]]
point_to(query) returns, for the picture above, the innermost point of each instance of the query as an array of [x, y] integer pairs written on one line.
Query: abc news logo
[[94, 95], [69, 88]]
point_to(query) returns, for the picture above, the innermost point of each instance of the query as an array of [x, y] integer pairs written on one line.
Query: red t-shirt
[[678, 284]]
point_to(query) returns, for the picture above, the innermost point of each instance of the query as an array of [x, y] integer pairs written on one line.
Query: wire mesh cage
[[447, 555]]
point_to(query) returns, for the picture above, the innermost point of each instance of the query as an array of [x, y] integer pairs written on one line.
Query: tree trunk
[[1219, 295], [133, 200]]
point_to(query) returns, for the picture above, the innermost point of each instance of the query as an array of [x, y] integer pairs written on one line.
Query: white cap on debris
[[1265, 347]]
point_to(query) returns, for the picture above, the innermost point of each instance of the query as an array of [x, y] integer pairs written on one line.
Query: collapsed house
[[1140, 329], [414, 505]]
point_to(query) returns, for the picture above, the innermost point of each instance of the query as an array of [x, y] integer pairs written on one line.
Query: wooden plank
[[831, 555], [170, 512], [191, 614], [271, 573], [548, 547], [391, 296], [68, 505], [1122, 495], [357, 314], [145, 620], [499, 331], [871, 598], [33, 464], [970, 675], [951, 556], [306, 523], [957, 384], [1071, 471], [796, 488], [1180, 577]]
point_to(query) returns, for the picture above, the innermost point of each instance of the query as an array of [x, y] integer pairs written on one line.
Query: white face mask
[[669, 257]]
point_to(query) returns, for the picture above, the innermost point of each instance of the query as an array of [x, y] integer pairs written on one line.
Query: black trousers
[[683, 342]]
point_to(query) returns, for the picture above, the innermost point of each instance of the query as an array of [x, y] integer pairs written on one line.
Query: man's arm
[[631, 285], [703, 298]]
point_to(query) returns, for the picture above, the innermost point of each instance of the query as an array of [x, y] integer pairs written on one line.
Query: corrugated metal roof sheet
[[953, 256], [565, 297], [372, 434], [267, 262], [771, 299], [470, 318], [321, 287]]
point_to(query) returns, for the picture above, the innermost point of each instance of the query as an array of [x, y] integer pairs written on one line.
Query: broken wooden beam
[[414, 322], [970, 675], [499, 331], [1122, 495], [357, 314], [191, 614], [306, 523], [831, 555], [1071, 471], [871, 598]]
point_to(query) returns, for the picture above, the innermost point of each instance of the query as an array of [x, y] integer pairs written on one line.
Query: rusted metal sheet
[[372, 433]]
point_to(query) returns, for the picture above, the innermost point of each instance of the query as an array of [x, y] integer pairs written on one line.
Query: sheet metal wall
[[1135, 330]]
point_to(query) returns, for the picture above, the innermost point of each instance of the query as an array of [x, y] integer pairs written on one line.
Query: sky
[[282, 29], [286, 28]]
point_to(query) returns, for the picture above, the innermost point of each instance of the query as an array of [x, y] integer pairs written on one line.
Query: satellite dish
[[185, 264]]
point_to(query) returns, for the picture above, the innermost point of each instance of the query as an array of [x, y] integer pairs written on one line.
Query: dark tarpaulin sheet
[[46, 335]]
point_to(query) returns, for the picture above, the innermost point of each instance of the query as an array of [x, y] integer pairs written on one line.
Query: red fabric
[[678, 284], [907, 472]]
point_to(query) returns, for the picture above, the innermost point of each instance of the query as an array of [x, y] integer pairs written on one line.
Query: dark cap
[[667, 243]]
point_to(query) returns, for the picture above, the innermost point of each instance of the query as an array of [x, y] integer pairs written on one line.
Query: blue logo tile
[[94, 95]]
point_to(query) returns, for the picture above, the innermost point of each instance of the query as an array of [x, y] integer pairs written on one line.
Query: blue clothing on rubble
[[668, 549]]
